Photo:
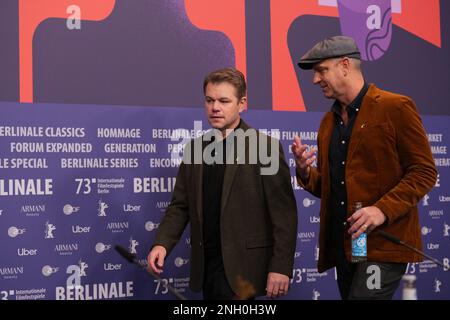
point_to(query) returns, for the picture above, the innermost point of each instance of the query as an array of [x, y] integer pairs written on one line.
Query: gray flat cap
[[334, 47]]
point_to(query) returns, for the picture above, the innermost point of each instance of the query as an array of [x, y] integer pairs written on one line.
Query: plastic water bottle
[[359, 245], [409, 287]]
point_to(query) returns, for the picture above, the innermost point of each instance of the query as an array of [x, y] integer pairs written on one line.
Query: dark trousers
[[368, 280], [215, 284]]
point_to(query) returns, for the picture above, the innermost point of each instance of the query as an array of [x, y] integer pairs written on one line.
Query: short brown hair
[[230, 75]]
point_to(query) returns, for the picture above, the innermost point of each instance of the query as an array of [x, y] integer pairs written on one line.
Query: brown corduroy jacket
[[389, 165]]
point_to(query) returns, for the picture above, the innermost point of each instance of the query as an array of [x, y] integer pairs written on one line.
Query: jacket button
[[200, 243]]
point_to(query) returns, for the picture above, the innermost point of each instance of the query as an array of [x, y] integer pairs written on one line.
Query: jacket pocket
[[259, 242]]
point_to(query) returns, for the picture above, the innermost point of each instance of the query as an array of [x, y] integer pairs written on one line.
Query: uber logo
[[433, 246], [78, 229], [26, 252], [131, 208], [314, 219], [112, 267]]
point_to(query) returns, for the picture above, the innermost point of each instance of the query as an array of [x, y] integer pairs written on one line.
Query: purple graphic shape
[[369, 22]]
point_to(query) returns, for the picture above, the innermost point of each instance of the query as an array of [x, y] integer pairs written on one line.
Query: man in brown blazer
[[372, 148], [241, 207]]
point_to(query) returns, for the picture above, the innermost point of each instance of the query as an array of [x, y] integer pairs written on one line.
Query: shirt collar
[[354, 106]]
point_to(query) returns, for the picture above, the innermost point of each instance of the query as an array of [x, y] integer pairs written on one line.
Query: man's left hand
[[365, 220], [277, 285]]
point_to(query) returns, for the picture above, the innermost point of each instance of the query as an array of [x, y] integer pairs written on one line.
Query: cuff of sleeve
[[303, 183], [390, 215], [286, 272]]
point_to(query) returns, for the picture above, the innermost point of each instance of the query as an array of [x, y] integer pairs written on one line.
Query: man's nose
[[216, 106], [316, 78]]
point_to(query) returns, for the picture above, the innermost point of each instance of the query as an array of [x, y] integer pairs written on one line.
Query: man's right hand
[[156, 259], [303, 158]]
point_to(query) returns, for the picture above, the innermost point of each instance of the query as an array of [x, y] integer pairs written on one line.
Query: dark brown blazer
[[258, 221], [389, 165]]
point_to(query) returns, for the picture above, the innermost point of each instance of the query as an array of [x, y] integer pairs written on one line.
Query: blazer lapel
[[230, 173], [198, 178], [363, 119], [198, 187], [328, 125], [231, 168]]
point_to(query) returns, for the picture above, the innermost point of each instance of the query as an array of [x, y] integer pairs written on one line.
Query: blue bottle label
[[359, 246]]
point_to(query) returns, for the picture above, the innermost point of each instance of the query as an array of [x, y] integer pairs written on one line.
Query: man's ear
[[243, 104], [346, 65]]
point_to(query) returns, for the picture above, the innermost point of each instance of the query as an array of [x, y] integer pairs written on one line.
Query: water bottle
[[409, 287], [359, 245]]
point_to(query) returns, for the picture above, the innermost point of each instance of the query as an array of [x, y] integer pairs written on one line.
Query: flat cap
[[334, 47]]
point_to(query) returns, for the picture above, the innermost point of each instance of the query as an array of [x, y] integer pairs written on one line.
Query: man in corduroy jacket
[[372, 148]]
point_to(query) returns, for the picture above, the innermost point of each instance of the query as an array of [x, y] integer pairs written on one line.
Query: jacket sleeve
[[415, 159], [314, 183], [176, 216], [282, 207]]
